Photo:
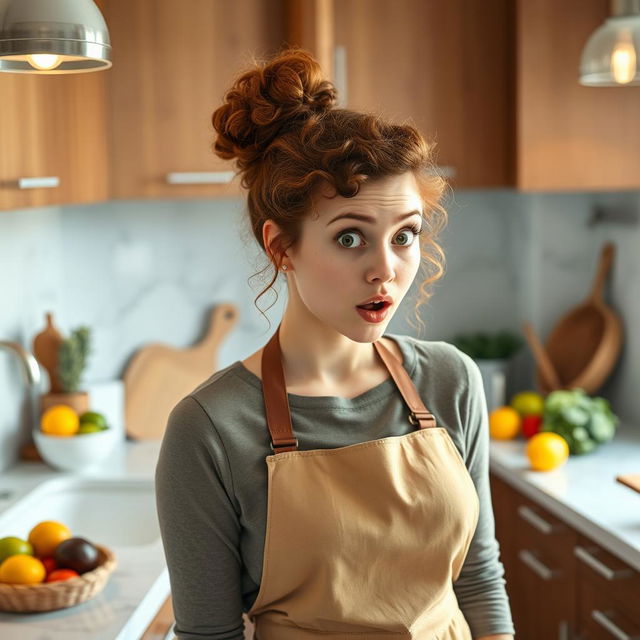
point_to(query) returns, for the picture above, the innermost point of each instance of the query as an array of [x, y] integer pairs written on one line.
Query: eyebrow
[[364, 218]]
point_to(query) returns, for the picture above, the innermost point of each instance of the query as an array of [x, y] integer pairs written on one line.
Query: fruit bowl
[[75, 453], [48, 596]]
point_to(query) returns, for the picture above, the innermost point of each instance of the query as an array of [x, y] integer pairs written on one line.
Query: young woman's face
[[341, 262]]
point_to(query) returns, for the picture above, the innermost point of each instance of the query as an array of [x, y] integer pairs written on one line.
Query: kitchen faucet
[[32, 375]]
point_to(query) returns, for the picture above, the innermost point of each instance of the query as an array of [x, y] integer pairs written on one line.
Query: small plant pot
[[494, 381], [78, 401]]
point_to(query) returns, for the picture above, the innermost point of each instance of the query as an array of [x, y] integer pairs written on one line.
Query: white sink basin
[[115, 512]]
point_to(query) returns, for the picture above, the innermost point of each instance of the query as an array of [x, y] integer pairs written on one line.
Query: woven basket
[[47, 596]]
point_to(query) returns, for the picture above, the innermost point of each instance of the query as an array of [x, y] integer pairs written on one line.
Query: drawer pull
[[537, 521], [607, 623], [598, 566], [538, 567], [202, 177], [39, 182]]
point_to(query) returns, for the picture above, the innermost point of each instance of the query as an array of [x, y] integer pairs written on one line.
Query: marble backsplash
[[147, 271]]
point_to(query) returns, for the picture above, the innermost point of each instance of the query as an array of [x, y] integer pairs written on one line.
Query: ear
[[270, 231]]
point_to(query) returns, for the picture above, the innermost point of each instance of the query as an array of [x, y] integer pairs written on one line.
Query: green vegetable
[[72, 358], [485, 346], [584, 422]]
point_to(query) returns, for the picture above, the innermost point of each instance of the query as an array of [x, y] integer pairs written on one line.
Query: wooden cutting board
[[159, 376]]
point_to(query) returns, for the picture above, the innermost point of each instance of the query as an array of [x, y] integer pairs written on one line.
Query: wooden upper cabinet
[[570, 137], [172, 63], [445, 66], [53, 131]]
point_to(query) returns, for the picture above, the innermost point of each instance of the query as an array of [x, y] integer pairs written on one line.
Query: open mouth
[[374, 306]]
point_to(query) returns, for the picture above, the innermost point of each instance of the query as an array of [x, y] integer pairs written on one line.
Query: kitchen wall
[[139, 272]]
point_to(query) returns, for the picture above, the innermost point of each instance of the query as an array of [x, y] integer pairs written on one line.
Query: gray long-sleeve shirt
[[211, 482]]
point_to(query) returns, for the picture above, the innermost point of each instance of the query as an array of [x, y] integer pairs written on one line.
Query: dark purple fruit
[[77, 554]]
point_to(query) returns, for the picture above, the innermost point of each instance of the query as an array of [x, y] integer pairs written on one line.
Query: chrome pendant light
[[52, 37], [611, 57]]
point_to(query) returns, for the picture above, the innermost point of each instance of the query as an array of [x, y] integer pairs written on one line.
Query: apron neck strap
[[277, 404]]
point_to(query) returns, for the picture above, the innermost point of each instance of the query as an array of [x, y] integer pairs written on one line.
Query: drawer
[[609, 575], [543, 533], [601, 616]]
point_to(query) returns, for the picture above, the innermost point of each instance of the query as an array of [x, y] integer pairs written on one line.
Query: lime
[[12, 546], [528, 403], [89, 427], [95, 418]]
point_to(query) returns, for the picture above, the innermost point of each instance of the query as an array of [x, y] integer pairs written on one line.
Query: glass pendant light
[[611, 57], [53, 36]]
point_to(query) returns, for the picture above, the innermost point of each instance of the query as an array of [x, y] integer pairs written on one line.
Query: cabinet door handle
[[598, 566], [538, 522], [200, 177], [538, 567], [607, 623], [38, 182]]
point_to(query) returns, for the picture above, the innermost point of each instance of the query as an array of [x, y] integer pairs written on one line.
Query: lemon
[[47, 535], [60, 420], [547, 450], [22, 569], [528, 403], [504, 423]]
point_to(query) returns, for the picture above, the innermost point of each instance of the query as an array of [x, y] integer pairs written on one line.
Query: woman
[[334, 484]]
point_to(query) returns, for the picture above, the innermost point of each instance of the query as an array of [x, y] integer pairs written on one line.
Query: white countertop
[[135, 590], [583, 492]]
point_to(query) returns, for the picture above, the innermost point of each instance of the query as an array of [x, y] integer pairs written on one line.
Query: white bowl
[[75, 453]]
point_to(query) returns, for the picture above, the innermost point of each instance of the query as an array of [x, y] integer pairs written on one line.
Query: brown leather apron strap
[[277, 405]]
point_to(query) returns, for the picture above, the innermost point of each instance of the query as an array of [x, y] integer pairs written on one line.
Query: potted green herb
[[72, 360], [492, 352]]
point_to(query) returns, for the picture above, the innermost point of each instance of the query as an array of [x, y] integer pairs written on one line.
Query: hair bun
[[268, 99]]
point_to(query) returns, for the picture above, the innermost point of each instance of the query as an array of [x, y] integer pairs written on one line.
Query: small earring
[[284, 267]]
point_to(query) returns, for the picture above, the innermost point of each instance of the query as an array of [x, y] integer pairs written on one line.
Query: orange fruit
[[22, 569], [504, 423], [47, 535], [60, 420], [547, 450]]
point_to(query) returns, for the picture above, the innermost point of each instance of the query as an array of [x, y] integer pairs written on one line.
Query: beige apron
[[363, 541]]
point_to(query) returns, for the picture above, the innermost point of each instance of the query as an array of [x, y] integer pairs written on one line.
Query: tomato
[[61, 574], [531, 425], [49, 563]]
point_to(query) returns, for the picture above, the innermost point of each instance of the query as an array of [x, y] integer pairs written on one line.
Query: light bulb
[[44, 61], [623, 62]]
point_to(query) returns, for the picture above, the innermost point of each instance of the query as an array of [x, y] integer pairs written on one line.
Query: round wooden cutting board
[[159, 376]]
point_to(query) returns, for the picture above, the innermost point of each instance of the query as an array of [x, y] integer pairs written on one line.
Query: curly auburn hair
[[279, 122]]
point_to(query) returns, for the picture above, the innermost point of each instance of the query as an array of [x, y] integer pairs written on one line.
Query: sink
[[118, 512]]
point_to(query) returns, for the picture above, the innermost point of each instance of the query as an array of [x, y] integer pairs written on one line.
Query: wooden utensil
[[159, 376], [45, 348], [547, 370], [585, 344]]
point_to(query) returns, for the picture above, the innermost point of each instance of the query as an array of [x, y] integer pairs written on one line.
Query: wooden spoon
[[585, 344], [548, 371]]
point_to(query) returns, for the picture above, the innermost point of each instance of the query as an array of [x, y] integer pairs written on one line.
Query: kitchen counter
[[583, 492], [135, 590]]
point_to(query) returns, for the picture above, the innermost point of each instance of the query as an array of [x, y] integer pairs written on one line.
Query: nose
[[382, 267]]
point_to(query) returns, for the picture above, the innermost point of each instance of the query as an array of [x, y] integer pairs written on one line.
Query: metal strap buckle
[[284, 444], [413, 418]]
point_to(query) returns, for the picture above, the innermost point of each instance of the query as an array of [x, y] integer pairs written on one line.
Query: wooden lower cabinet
[[561, 584]]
